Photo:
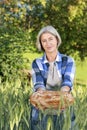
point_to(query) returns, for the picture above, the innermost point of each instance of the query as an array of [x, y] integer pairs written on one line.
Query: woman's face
[[49, 42]]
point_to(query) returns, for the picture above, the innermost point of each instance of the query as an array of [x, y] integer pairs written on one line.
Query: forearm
[[65, 89], [40, 89]]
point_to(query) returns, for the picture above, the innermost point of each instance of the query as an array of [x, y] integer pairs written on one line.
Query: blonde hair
[[49, 29]]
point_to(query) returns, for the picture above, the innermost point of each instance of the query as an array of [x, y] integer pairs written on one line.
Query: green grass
[[31, 57], [81, 70]]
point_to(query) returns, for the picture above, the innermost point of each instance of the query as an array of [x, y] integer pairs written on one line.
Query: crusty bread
[[45, 99]]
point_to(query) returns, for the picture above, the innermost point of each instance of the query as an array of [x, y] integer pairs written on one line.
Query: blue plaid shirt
[[40, 68]]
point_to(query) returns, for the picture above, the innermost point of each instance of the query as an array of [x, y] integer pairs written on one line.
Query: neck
[[51, 56]]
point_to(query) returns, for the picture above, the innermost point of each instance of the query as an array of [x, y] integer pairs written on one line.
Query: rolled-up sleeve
[[37, 77], [69, 74]]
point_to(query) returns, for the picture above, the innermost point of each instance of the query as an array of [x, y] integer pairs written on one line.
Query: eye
[[43, 41], [50, 39]]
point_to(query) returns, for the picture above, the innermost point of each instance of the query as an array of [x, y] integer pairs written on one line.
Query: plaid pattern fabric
[[40, 68]]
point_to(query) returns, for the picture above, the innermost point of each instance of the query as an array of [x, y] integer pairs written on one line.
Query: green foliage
[[80, 106], [15, 107], [67, 16], [13, 44], [14, 85], [14, 104]]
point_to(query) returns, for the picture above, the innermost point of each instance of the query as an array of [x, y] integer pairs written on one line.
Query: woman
[[53, 71]]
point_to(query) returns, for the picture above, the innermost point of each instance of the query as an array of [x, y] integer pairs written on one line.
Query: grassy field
[[15, 107], [81, 70]]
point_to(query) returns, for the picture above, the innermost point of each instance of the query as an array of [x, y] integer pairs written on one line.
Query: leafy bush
[[13, 43]]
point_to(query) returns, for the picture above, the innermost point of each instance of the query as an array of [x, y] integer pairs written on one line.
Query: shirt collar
[[58, 58]]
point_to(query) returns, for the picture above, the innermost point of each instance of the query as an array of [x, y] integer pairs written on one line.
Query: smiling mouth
[[49, 47]]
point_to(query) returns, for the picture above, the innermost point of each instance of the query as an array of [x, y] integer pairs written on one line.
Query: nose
[[48, 42]]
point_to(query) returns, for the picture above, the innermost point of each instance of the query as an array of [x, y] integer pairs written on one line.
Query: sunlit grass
[[15, 108], [81, 70], [31, 57], [14, 104]]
